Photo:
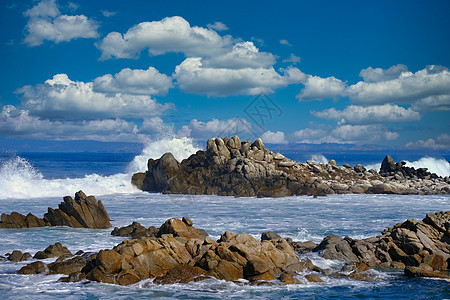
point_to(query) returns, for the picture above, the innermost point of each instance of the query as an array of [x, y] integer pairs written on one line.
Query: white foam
[[319, 158], [439, 166], [19, 179]]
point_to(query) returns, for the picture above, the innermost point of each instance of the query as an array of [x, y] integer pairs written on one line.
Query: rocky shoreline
[[177, 252], [230, 167]]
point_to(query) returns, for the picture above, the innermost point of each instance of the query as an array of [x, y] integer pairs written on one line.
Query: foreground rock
[[81, 212], [181, 253], [234, 168], [421, 248]]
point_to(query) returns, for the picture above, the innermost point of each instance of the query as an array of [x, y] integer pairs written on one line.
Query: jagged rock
[[313, 278], [84, 211], [423, 271], [55, 250], [421, 245], [182, 274], [67, 267], [179, 228], [303, 247], [230, 167]]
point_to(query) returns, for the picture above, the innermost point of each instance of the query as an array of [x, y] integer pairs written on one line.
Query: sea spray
[[439, 166], [19, 179], [319, 158], [181, 148]]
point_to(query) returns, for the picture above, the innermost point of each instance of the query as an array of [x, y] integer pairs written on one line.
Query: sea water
[[31, 182]]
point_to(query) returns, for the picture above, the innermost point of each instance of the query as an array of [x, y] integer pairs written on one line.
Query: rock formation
[[421, 248], [230, 167], [83, 212]]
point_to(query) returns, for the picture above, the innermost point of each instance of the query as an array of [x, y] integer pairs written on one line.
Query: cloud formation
[[270, 137], [193, 77], [217, 26], [346, 134], [200, 130], [172, 34], [442, 142], [47, 23], [292, 59], [140, 82], [361, 115], [62, 98], [318, 88]]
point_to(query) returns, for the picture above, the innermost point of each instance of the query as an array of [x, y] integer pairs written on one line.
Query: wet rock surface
[[81, 212], [233, 168]]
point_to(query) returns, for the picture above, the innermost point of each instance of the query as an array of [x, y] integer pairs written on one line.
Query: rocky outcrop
[[180, 253], [421, 248], [81, 212], [230, 167]]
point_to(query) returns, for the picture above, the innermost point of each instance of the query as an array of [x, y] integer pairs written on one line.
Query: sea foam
[[439, 166], [20, 179]]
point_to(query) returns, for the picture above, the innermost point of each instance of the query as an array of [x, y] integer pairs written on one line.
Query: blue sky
[[356, 72]]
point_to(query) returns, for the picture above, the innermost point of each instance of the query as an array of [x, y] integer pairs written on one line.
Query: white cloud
[[143, 82], [204, 130], [108, 13], [353, 114], [193, 77], [318, 88], [292, 59], [270, 137], [432, 103], [442, 142], [285, 42], [152, 126], [242, 55], [218, 26], [173, 34], [62, 98], [47, 23], [354, 134], [377, 75], [408, 87], [14, 121]]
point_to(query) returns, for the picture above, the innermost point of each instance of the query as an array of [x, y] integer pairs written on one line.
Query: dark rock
[[16, 220], [134, 230], [55, 250], [182, 274], [267, 236], [424, 272], [335, 247], [303, 247], [138, 180], [17, 256], [359, 168], [179, 228], [36, 267], [74, 265], [313, 278]]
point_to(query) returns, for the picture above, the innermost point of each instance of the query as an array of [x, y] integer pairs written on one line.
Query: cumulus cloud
[[153, 125], [172, 34], [432, 103], [270, 137], [141, 82], [200, 130], [47, 23], [292, 59], [193, 77], [353, 134], [442, 142], [407, 87], [377, 74], [14, 121], [217, 26], [62, 98], [242, 55], [318, 88], [353, 114]]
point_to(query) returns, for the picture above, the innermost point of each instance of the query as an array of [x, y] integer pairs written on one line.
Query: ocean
[[31, 182]]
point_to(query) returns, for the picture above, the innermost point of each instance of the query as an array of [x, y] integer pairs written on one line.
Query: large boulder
[[83, 211]]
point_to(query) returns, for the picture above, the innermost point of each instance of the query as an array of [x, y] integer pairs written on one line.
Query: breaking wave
[[439, 166], [20, 179]]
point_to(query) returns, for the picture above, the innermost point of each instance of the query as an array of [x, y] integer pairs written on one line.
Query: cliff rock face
[[83, 212], [230, 167]]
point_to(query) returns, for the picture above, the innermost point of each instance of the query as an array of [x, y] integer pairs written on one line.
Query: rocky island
[[230, 167]]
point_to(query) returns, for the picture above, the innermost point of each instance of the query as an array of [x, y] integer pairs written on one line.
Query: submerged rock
[[230, 167]]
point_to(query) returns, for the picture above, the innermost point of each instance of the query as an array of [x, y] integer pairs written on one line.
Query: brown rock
[[67, 267], [424, 272], [182, 274], [55, 250], [109, 260], [313, 278], [36, 267], [436, 261]]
